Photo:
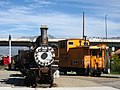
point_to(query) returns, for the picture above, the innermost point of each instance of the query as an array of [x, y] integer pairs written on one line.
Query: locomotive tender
[[38, 64]]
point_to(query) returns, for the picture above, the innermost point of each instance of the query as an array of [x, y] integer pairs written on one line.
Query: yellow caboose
[[71, 55], [77, 55], [97, 61]]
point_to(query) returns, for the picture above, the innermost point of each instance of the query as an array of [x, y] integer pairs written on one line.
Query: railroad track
[[17, 80]]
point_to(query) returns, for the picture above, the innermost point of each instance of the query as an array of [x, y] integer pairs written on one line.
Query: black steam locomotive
[[38, 64]]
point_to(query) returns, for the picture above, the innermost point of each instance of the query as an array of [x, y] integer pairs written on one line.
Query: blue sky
[[63, 17]]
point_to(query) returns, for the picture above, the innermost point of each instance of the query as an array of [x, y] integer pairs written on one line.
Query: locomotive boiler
[[38, 64]]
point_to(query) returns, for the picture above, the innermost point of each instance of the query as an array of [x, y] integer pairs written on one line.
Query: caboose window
[[70, 43], [94, 52]]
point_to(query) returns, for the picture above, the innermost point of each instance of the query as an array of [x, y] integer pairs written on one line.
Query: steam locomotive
[[38, 64]]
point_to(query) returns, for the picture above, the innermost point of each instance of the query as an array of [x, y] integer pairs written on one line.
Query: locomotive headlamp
[[44, 56]]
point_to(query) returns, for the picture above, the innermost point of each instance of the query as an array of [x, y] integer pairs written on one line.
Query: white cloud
[[61, 25], [19, 10], [24, 21], [39, 3], [4, 3]]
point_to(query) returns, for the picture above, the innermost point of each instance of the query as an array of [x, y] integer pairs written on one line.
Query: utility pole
[[83, 25], [109, 60], [106, 25]]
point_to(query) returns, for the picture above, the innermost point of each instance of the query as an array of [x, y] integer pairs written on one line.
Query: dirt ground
[[87, 81], [15, 79]]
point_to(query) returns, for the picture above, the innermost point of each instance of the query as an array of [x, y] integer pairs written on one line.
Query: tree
[[115, 63]]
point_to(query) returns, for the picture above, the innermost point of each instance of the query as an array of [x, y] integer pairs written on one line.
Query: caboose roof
[[72, 39]]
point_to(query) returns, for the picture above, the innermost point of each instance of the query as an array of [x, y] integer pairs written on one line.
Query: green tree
[[115, 64]]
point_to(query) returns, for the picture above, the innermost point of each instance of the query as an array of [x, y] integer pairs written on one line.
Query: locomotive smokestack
[[44, 38]]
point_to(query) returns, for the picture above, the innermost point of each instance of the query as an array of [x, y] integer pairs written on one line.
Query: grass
[[113, 72]]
